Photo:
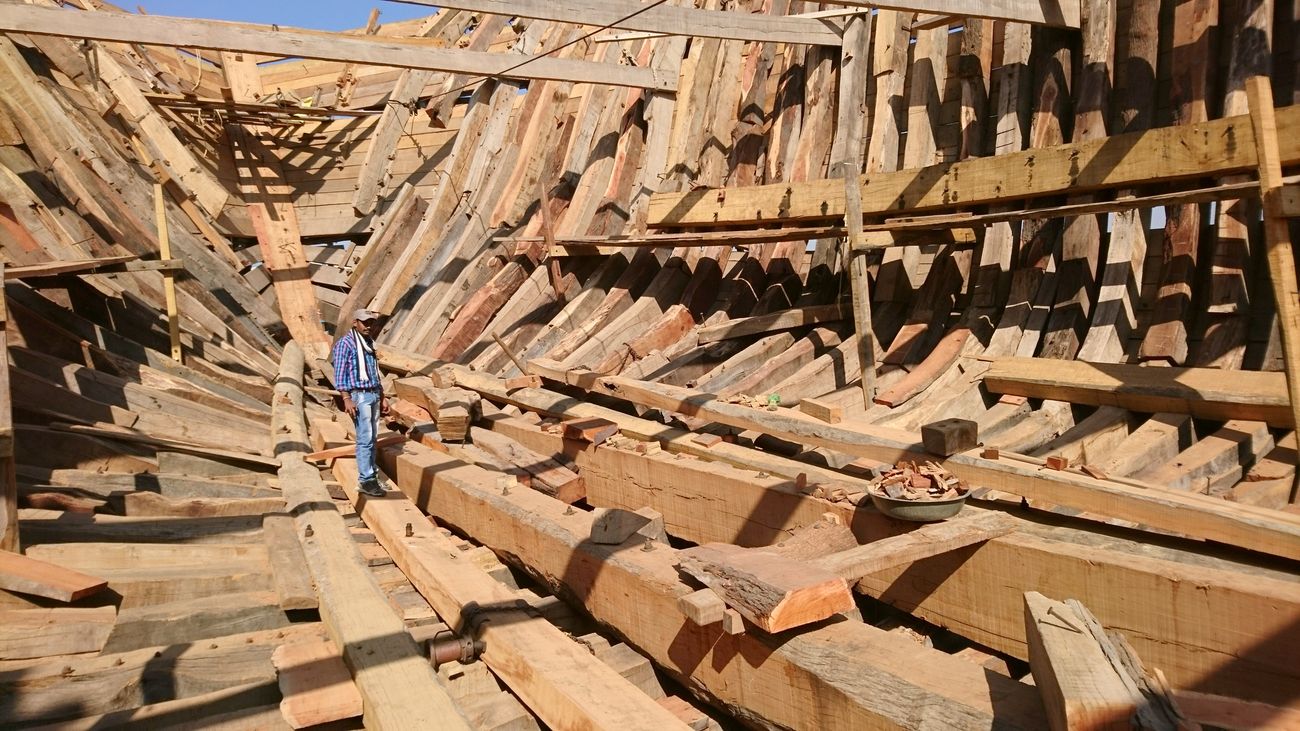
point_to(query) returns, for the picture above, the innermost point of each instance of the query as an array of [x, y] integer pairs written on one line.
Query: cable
[[557, 49]]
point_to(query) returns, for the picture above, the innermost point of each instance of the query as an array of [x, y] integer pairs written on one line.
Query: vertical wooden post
[[1281, 259], [548, 235], [858, 281], [169, 280], [8, 476]]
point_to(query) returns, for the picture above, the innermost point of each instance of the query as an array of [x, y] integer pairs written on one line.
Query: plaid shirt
[[345, 367]]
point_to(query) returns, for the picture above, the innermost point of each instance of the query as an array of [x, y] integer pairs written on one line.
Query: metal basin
[[921, 511]]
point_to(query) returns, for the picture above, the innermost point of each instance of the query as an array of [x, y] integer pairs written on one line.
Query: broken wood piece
[[950, 436], [38, 578], [517, 382], [826, 536], [703, 607], [614, 526], [595, 431], [548, 476], [317, 686], [774, 592], [1087, 677], [350, 450]]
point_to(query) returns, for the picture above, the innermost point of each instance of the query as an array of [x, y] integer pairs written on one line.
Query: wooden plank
[[169, 280], [770, 323], [771, 590], [249, 707], [1202, 392], [1193, 515], [559, 680], [637, 591], [929, 540], [281, 41], [395, 681], [1080, 688], [1277, 232], [349, 450], [1234, 713], [316, 685], [38, 578], [33, 633], [293, 582], [666, 19], [191, 619], [860, 285], [1063, 14], [122, 681], [1119, 161]]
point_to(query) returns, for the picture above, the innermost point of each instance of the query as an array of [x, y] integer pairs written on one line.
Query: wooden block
[[706, 440], [990, 453], [293, 582], [950, 436], [1057, 462], [317, 686], [688, 714], [827, 412], [374, 554], [30, 576], [592, 430], [732, 622], [31, 633], [547, 475], [523, 382], [702, 607]]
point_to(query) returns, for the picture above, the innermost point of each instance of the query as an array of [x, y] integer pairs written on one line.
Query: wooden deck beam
[[292, 42]]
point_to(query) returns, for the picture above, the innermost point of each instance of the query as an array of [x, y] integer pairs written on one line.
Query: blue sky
[[317, 14]]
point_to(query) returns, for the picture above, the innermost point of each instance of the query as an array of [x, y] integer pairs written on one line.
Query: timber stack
[[667, 291]]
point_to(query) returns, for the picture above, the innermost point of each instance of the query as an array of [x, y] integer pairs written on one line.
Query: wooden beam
[[1129, 160], [1277, 231], [557, 679], [666, 19], [859, 283], [859, 671], [38, 578], [770, 323], [1194, 515], [292, 42], [8, 477], [108, 265], [1062, 14], [1205, 393], [548, 476], [394, 678], [169, 280]]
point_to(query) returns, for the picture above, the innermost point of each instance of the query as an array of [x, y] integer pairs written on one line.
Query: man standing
[[356, 374]]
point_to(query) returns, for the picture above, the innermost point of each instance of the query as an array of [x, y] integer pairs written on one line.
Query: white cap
[[363, 315]]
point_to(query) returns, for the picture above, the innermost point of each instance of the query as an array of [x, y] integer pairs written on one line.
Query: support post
[[859, 281], [8, 475], [169, 279], [1281, 259]]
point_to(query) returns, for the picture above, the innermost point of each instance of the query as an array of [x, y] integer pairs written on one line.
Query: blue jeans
[[367, 421]]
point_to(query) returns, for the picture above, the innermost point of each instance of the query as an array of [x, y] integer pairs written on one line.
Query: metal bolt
[[309, 532], [568, 510], [648, 546], [410, 530]]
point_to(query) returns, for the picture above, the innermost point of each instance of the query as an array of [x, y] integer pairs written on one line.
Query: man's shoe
[[371, 488]]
